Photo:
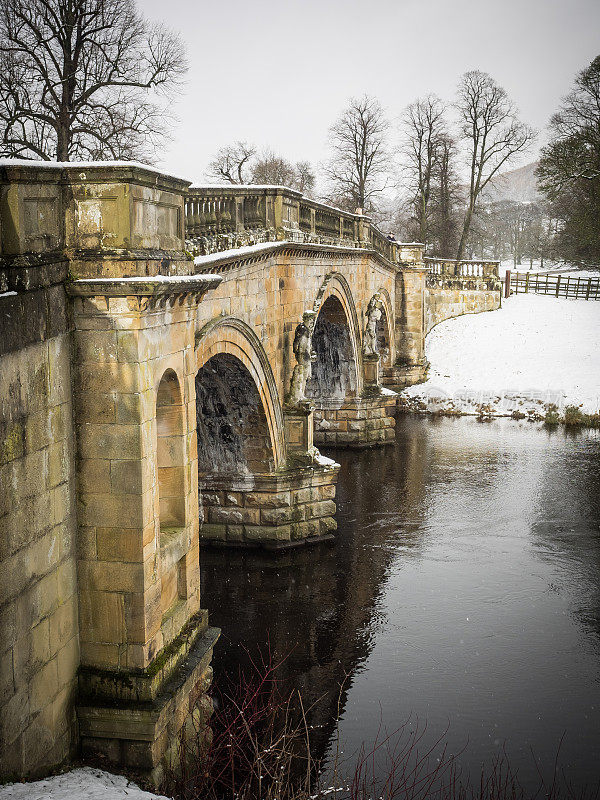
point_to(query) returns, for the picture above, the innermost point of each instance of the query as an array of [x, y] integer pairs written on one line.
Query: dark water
[[464, 590]]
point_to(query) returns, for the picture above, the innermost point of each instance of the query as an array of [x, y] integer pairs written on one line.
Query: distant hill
[[519, 185]]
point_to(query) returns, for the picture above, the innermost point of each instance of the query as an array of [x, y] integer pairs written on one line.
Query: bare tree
[[305, 178], [75, 76], [271, 169], [493, 134], [423, 127], [448, 195], [358, 167], [233, 163], [276, 170]]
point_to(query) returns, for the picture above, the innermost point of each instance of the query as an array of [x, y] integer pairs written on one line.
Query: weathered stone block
[[267, 500], [67, 659], [44, 686], [225, 516], [94, 475], [128, 476], [208, 531], [328, 525], [119, 544], [102, 620]]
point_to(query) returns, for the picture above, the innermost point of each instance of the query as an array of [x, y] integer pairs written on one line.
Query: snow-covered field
[[554, 268], [79, 784], [534, 351]]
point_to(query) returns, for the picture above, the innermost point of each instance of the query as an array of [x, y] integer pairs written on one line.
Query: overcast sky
[[278, 73]]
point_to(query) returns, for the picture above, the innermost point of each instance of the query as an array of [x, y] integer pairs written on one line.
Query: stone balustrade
[[226, 217], [460, 269]]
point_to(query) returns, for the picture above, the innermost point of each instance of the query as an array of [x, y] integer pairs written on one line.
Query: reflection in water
[[463, 589]]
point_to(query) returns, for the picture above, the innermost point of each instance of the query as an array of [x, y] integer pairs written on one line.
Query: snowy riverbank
[[534, 351], [86, 783]]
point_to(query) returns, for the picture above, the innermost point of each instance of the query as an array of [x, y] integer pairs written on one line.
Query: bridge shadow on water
[[462, 590]]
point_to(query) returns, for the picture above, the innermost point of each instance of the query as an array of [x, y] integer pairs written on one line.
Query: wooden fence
[[557, 285]]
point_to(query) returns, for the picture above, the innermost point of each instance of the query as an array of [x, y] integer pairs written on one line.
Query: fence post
[[557, 284], [507, 283], [567, 287], [589, 286], [526, 282]]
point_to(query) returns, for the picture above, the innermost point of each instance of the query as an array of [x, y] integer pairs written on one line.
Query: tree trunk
[[465, 233], [62, 146]]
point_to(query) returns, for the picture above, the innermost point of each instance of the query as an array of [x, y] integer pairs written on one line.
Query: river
[[463, 592]]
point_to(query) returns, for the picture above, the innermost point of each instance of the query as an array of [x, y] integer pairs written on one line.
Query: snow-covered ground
[[86, 783], [534, 351]]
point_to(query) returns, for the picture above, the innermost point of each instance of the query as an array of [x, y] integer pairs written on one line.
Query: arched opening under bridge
[[247, 493], [334, 372], [232, 428]]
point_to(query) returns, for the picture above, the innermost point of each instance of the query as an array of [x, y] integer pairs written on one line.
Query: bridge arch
[[385, 331], [239, 371], [171, 463], [337, 371]]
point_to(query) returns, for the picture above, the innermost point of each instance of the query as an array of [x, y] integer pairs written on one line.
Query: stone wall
[[464, 297], [39, 649]]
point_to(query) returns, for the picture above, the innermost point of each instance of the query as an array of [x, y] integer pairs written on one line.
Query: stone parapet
[[109, 219], [218, 217]]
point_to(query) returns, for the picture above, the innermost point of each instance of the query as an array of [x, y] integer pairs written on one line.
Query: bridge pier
[[410, 366], [274, 512], [357, 422], [145, 643]]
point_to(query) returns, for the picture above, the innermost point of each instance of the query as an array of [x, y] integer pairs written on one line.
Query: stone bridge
[[169, 357]]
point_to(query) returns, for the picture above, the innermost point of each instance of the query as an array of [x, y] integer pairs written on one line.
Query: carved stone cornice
[[147, 293], [157, 286]]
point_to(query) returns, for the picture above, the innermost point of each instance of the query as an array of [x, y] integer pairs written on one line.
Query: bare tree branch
[[232, 163], [76, 78]]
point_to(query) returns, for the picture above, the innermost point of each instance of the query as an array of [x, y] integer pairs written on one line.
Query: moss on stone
[[13, 442]]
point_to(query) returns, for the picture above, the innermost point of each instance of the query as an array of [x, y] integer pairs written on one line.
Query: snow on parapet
[[24, 162], [236, 251], [243, 186]]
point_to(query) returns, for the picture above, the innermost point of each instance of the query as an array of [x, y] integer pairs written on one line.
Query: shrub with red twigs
[[260, 750]]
